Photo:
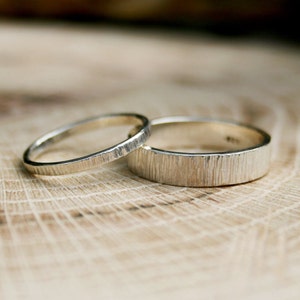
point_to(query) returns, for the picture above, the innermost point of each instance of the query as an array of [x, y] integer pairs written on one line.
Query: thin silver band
[[241, 153], [38, 147]]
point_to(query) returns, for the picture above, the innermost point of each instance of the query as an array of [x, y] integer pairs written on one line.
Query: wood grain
[[108, 234]]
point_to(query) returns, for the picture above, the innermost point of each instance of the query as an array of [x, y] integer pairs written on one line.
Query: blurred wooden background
[[107, 234], [225, 17], [155, 10]]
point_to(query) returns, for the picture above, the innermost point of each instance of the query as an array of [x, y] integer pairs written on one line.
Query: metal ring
[[93, 160], [231, 153]]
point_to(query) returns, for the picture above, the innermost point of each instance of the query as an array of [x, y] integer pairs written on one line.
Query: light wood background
[[107, 234]]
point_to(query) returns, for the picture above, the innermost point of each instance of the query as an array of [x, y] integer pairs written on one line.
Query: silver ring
[[230, 153], [42, 144]]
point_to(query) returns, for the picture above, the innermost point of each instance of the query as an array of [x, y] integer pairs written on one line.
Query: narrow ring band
[[39, 146], [241, 153]]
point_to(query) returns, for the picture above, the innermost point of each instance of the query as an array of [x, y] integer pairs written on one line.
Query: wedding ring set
[[182, 150]]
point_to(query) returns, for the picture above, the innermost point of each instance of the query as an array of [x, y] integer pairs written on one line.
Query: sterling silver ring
[[141, 129], [220, 153]]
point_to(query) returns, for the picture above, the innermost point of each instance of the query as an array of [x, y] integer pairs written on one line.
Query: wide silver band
[[231, 153], [141, 128]]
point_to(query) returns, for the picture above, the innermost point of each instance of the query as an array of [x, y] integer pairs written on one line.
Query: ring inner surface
[[85, 138], [203, 137]]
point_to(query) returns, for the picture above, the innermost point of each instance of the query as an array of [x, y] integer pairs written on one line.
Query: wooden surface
[[107, 234]]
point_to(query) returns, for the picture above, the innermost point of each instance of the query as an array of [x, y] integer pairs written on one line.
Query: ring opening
[[204, 137], [83, 138]]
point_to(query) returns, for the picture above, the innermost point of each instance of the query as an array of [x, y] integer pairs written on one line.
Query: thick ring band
[[231, 153], [38, 147]]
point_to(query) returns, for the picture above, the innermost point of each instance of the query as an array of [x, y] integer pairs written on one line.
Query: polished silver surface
[[197, 152], [141, 129]]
